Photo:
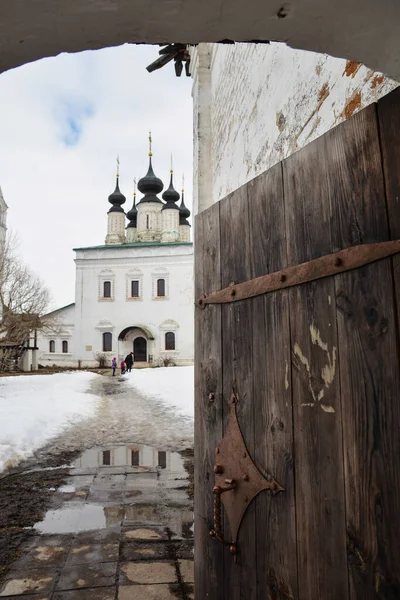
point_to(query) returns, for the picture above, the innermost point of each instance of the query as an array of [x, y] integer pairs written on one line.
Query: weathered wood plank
[[320, 502], [276, 554], [389, 123], [369, 359], [240, 579], [208, 415]]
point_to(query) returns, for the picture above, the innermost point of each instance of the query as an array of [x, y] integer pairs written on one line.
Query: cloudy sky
[[63, 121]]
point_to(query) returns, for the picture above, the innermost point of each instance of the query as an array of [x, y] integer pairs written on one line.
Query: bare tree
[[24, 302]]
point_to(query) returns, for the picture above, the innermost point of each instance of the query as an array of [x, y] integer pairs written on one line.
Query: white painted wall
[[257, 104], [95, 315], [63, 329]]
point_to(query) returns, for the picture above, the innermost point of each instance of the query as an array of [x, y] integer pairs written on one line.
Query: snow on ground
[[35, 408], [172, 385]]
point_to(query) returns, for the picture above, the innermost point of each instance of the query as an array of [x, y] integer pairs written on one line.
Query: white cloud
[[63, 122]]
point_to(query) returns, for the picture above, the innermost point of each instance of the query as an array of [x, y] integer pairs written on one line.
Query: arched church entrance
[[136, 339], [140, 349]]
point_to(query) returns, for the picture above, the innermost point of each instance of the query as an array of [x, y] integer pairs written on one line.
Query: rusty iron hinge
[[237, 480], [331, 264]]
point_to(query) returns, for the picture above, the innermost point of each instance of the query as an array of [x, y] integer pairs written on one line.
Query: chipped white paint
[[286, 375], [257, 104], [328, 409], [329, 370]]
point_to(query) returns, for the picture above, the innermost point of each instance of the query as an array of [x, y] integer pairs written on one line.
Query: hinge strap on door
[[325, 266], [237, 480]]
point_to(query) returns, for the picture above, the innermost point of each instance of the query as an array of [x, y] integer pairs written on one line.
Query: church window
[[107, 341], [65, 346], [147, 222], [135, 458], [135, 289], [106, 457], [170, 341], [106, 289], [160, 288], [162, 460], [52, 346]]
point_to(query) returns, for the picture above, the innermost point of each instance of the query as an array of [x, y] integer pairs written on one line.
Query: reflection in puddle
[[130, 483], [70, 520], [131, 455]]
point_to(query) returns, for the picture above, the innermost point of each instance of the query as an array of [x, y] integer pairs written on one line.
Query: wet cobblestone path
[[120, 527]]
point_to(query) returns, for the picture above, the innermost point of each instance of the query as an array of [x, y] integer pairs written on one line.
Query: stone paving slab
[[38, 580], [148, 592], [186, 568], [132, 551], [109, 535], [147, 534], [147, 572], [106, 497], [87, 576], [106, 593], [82, 553], [42, 556]]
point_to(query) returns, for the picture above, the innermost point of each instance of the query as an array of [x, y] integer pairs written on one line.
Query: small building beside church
[[135, 292]]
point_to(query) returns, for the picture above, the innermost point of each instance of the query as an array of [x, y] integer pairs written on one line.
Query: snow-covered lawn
[[35, 408], [173, 385]]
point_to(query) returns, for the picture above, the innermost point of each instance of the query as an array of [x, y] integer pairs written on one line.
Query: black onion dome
[[116, 199], [150, 186], [170, 196], [184, 212], [132, 214]]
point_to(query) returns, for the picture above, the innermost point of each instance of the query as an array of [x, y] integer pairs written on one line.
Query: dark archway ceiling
[[365, 31]]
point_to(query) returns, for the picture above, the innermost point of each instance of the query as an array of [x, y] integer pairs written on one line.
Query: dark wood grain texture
[[319, 486], [208, 414], [276, 553], [369, 359], [240, 581]]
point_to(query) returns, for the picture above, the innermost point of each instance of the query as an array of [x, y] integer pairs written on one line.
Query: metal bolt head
[[218, 469], [244, 455], [211, 396], [233, 292], [338, 262], [282, 277], [245, 477], [233, 549], [217, 450]]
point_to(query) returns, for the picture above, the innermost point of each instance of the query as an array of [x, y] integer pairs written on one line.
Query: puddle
[[142, 458], [71, 520], [118, 483]]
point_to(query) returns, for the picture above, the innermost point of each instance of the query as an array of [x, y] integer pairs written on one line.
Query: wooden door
[[140, 349], [315, 369]]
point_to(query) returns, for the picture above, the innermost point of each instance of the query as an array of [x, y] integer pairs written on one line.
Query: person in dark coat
[[129, 362]]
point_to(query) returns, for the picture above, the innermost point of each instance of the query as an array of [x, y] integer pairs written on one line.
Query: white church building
[[135, 292]]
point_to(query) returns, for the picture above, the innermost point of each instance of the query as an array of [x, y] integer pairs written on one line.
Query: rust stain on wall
[[323, 94], [351, 68], [352, 105], [280, 120], [377, 80]]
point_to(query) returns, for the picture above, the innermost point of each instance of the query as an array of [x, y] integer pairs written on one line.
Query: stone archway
[[365, 31], [136, 339]]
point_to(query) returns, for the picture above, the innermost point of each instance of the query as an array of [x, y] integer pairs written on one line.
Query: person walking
[[113, 365], [129, 362]]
